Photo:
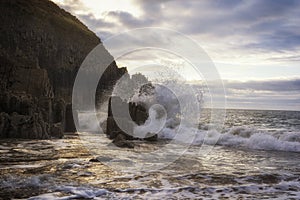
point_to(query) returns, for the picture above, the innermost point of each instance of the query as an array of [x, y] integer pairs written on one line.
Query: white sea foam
[[74, 193], [182, 129], [239, 137], [282, 190]]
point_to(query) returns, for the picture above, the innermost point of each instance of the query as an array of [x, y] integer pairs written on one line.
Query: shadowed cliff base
[[42, 48]]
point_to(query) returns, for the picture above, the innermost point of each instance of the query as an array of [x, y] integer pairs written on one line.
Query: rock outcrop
[[120, 127], [42, 47]]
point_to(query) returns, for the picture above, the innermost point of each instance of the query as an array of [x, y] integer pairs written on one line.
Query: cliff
[[42, 47]]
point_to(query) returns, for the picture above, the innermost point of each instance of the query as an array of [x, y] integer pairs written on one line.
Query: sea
[[256, 155]]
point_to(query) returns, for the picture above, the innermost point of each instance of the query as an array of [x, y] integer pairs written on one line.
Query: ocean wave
[[238, 137], [180, 123]]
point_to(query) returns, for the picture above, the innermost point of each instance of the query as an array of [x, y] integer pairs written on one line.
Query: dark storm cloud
[[267, 24], [258, 9], [280, 40]]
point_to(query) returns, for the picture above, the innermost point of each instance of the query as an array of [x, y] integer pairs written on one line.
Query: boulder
[[121, 141], [119, 127], [151, 137], [141, 115], [113, 129]]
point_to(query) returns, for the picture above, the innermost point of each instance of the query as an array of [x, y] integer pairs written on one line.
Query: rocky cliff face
[[41, 50]]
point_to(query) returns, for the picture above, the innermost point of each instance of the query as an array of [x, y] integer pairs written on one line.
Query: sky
[[255, 45]]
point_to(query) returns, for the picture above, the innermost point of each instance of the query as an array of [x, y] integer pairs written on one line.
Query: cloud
[[129, 21], [277, 93], [275, 85], [260, 33], [94, 23], [71, 6], [268, 25], [264, 94]]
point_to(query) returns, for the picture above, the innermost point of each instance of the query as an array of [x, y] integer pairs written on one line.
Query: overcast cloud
[[247, 39]]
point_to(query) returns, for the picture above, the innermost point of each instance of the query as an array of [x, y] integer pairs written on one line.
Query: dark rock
[[41, 50], [4, 125], [119, 129], [103, 126], [113, 129], [4, 105], [94, 160], [41, 40], [132, 110], [58, 111], [32, 81], [110, 127], [118, 107], [141, 115], [45, 107], [16, 123], [101, 159], [56, 130], [121, 141], [70, 119], [26, 106], [24, 126], [151, 137], [14, 104]]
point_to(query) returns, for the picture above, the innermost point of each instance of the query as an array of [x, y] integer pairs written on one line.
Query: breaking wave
[[180, 127]]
